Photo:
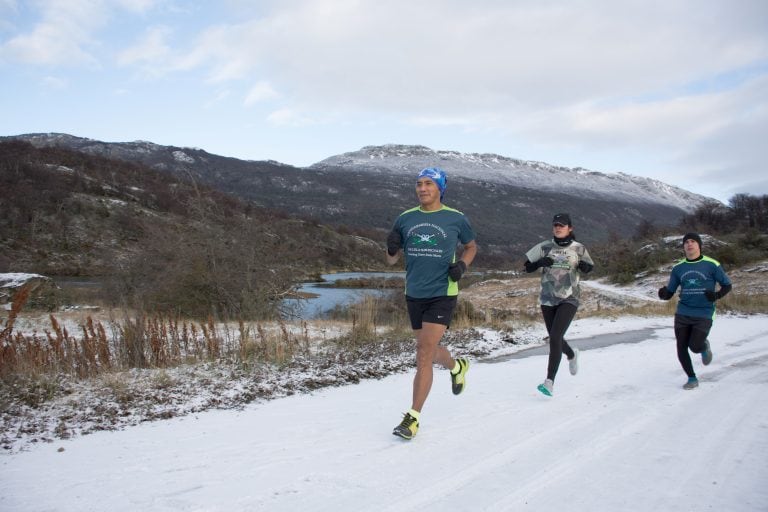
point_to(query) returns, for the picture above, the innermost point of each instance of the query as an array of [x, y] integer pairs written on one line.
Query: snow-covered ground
[[621, 435], [643, 293]]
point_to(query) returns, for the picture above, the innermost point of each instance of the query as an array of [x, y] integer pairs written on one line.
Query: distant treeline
[[742, 225], [744, 213]]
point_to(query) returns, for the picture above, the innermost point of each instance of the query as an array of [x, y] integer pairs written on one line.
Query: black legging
[[557, 319], [691, 333]]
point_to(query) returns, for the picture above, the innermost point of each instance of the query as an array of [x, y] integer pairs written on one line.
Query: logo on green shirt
[[419, 239]]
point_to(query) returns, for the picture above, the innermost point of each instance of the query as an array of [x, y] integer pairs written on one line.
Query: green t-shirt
[[429, 245], [693, 278]]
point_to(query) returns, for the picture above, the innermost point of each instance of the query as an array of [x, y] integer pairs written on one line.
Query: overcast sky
[[672, 90]]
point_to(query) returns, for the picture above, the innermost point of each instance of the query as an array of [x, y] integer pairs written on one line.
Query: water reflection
[[328, 298]]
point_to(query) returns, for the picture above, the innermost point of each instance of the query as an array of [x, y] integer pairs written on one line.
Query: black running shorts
[[436, 310]]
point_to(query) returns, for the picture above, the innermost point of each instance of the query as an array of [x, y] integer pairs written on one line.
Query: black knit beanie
[[692, 236]]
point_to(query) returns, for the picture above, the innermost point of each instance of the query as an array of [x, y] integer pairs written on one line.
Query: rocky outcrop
[[12, 283]]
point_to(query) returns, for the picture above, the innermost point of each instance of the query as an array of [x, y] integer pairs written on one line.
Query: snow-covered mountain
[[539, 176], [509, 200], [409, 159]]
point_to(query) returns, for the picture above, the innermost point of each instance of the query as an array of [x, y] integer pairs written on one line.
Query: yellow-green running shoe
[[407, 428], [458, 381]]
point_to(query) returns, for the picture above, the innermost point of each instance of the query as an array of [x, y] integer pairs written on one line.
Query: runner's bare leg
[[428, 352]]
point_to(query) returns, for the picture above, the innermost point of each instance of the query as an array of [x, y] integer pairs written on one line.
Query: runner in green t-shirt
[[697, 276], [428, 236]]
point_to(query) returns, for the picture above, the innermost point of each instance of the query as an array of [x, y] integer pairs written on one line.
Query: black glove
[[394, 242], [546, 261], [456, 270], [585, 267], [711, 295], [665, 294]]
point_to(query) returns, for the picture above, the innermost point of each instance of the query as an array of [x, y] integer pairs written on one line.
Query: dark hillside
[[508, 217], [155, 236]]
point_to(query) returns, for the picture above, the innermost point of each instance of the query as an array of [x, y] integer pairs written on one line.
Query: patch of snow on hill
[[526, 174], [17, 279], [181, 156]]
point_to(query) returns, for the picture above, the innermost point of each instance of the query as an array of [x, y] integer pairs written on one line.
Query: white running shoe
[[573, 364]]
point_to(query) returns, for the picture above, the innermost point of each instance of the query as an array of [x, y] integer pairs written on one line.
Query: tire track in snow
[[553, 465]]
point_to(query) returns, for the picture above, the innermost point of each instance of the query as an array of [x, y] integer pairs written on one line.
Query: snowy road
[[591, 342], [621, 435]]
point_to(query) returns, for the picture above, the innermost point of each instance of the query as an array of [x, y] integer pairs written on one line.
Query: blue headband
[[437, 175]]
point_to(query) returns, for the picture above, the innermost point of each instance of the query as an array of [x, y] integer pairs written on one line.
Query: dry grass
[[364, 318], [744, 303], [106, 346], [660, 308], [143, 341]]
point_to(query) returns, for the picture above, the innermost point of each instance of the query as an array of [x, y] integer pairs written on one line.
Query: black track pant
[[691, 333], [557, 319]]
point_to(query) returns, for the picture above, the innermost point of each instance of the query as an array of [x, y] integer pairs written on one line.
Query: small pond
[[328, 298]]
